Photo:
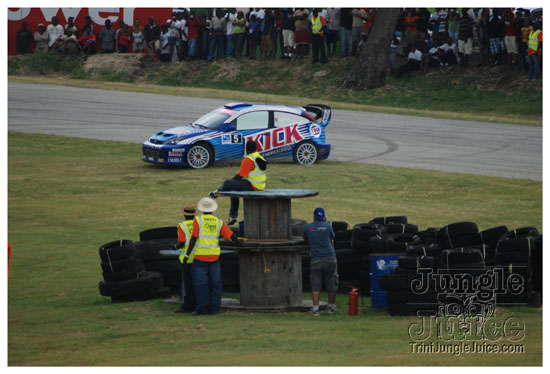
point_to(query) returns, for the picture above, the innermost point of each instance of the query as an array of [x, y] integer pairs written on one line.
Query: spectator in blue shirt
[[324, 267]]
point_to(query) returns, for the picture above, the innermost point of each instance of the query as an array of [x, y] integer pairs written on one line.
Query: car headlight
[[174, 141]]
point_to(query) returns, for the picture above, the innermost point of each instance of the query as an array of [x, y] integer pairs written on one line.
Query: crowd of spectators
[[422, 40]]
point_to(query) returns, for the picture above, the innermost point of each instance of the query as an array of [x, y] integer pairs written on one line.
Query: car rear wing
[[321, 113]]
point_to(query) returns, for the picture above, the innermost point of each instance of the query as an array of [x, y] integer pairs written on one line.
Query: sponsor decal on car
[[276, 138], [174, 159], [175, 154], [315, 130]]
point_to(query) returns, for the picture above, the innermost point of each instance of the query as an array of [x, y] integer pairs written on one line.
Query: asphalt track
[[493, 149]]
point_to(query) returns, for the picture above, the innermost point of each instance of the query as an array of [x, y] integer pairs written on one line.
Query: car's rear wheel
[[200, 156], [306, 153]]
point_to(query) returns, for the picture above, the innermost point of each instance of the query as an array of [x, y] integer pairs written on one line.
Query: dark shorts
[[324, 270]]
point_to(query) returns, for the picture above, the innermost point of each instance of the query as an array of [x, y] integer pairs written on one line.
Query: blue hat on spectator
[[319, 214]]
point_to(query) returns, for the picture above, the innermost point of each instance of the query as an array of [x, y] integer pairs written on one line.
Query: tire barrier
[[131, 270], [124, 274]]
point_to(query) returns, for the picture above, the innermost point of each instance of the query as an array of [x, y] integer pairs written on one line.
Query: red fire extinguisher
[[352, 304]]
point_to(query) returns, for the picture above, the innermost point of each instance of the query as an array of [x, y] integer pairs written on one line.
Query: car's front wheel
[[306, 153], [200, 156]]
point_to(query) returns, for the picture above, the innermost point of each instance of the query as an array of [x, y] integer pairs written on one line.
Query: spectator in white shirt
[[413, 62], [448, 52], [229, 37], [55, 31]]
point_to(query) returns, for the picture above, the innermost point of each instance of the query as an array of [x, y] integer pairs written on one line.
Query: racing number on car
[[232, 139]]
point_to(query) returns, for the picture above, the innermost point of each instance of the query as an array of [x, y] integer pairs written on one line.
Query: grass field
[[66, 197]]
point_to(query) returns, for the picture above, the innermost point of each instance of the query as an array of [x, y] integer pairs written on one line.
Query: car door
[[253, 125]]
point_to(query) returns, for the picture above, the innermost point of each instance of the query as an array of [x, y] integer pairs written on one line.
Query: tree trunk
[[372, 63]]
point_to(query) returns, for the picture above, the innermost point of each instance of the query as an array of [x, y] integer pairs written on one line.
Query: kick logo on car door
[[275, 138]]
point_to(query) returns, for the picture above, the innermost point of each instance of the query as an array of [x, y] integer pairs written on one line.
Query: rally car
[[279, 131]]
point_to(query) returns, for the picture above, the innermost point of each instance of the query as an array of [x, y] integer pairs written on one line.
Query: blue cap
[[319, 214]]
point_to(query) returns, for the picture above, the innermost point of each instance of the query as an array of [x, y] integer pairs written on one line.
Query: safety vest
[[534, 40], [208, 243], [256, 177], [316, 25], [187, 228]]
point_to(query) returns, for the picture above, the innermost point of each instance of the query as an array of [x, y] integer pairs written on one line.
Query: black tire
[[415, 262], [467, 240], [391, 219], [399, 242], [492, 236], [461, 228], [401, 228], [521, 249], [149, 282], [423, 250], [149, 250], [132, 272], [117, 266], [159, 233], [117, 250], [393, 282], [460, 257], [200, 156], [536, 261], [520, 233], [339, 226], [515, 258], [378, 244], [365, 262], [341, 244], [163, 266], [305, 153], [430, 235], [343, 235]]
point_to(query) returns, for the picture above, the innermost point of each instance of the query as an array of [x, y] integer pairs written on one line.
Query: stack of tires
[[518, 254], [124, 275], [156, 250]]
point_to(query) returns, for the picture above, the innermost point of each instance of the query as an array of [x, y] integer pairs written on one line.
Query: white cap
[[168, 21], [207, 204]]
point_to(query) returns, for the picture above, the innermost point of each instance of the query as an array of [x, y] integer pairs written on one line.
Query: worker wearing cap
[[205, 269], [323, 267], [252, 176], [185, 229]]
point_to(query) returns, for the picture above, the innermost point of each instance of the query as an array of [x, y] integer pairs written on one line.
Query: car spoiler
[[322, 113]]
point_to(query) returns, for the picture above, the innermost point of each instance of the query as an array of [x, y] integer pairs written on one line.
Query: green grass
[[66, 197]]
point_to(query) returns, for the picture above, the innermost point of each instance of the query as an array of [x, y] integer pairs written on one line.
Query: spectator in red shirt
[[510, 41], [193, 24], [410, 27], [87, 41], [243, 181]]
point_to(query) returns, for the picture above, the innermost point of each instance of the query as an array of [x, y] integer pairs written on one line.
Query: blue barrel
[[380, 263]]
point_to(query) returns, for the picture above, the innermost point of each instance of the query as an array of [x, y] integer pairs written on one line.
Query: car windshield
[[215, 118]]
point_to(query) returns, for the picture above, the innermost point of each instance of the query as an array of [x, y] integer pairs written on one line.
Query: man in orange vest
[[251, 177], [317, 26]]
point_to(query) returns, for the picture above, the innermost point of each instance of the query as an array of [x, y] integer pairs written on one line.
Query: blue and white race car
[[279, 131]]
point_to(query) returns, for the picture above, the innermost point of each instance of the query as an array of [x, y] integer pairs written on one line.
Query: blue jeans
[[193, 48], [216, 41], [235, 185], [190, 299], [534, 66], [174, 42], [205, 43], [346, 41], [207, 278], [229, 46], [454, 36]]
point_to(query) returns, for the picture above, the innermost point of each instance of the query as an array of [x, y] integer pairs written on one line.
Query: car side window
[[283, 119], [253, 121]]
